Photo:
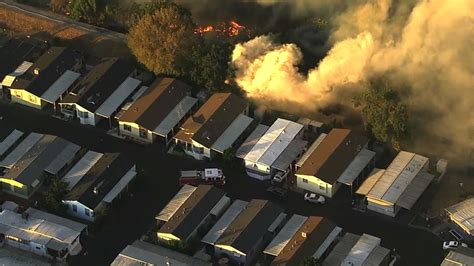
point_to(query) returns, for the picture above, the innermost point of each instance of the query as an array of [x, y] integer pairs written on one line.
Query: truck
[[279, 177], [208, 176]]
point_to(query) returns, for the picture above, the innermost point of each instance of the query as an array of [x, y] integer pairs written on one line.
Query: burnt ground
[[134, 215]]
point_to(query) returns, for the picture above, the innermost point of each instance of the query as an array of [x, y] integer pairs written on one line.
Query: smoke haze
[[425, 44]]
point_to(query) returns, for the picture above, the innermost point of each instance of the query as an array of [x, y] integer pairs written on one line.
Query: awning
[[118, 97], [356, 167], [414, 190]]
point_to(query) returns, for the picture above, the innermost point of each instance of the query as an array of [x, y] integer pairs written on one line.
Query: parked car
[[278, 191], [279, 177], [313, 198], [453, 245]]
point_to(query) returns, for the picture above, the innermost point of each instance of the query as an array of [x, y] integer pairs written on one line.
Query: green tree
[[162, 40], [86, 10], [210, 65], [52, 198], [385, 116], [58, 6], [310, 261]]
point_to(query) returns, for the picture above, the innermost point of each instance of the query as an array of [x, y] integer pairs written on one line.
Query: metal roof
[[78, 171], [414, 190], [356, 166], [20, 70], [124, 181], [290, 154], [398, 176], [38, 214], [361, 250], [8, 142], [277, 222], [274, 142], [221, 225], [117, 98], [341, 250], [37, 230], [369, 183], [311, 149], [458, 257], [142, 253], [176, 202], [230, 135], [285, 235], [132, 100], [309, 122], [60, 86], [176, 115], [251, 140], [463, 214], [327, 242], [63, 158], [20, 150], [377, 256]]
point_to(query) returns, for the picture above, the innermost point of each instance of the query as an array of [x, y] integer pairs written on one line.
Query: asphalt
[[134, 215]]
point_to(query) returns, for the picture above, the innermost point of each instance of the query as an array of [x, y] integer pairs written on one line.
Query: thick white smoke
[[427, 44]]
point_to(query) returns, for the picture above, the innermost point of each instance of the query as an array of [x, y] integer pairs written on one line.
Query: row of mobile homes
[[275, 150], [200, 209], [399, 186], [101, 92], [215, 127], [41, 233], [95, 182], [26, 167], [339, 157], [302, 237], [48, 79], [158, 111]]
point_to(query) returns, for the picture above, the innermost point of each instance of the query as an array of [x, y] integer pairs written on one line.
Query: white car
[[313, 198], [453, 245]]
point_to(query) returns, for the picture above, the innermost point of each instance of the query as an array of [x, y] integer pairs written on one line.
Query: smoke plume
[[426, 44]]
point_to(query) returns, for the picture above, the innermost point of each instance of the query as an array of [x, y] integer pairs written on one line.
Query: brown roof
[[317, 230], [212, 119], [329, 160], [156, 103]]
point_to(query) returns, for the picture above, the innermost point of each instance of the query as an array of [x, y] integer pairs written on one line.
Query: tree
[[58, 6], [85, 9], [210, 65], [385, 116], [52, 198], [162, 40], [310, 261]]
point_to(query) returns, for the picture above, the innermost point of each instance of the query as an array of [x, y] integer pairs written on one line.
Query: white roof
[[64, 157], [369, 183], [176, 202], [38, 214], [251, 140], [356, 166], [176, 115], [230, 135], [81, 168], [221, 225], [122, 183], [341, 250], [117, 98], [142, 253], [285, 235], [277, 222], [274, 142], [220, 206], [327, 242], [132, 100], [20, 150], [462, 256], [411, 194], [37, 230], [377, 256], [309, 122], [60, 86], [361, 250], [290, 154], [20, 70], [398, 176], [8, 142], [311, 149], [463, 214]]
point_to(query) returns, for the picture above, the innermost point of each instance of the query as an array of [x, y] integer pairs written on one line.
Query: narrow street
[[134, 215]]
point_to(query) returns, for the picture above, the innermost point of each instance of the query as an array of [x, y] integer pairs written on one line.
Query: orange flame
[[230, 29]]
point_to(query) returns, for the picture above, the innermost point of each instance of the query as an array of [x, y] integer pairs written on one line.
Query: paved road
[[44, 14], [134, 215]]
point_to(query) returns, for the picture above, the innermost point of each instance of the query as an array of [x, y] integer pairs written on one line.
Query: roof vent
[[303, 234], [36, 71]]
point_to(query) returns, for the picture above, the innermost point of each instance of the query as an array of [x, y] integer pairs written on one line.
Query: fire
[[230, 29]]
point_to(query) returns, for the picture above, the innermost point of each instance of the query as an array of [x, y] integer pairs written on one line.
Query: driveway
[[135, 215]]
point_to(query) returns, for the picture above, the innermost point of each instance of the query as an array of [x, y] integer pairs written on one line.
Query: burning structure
[[230, 29]]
